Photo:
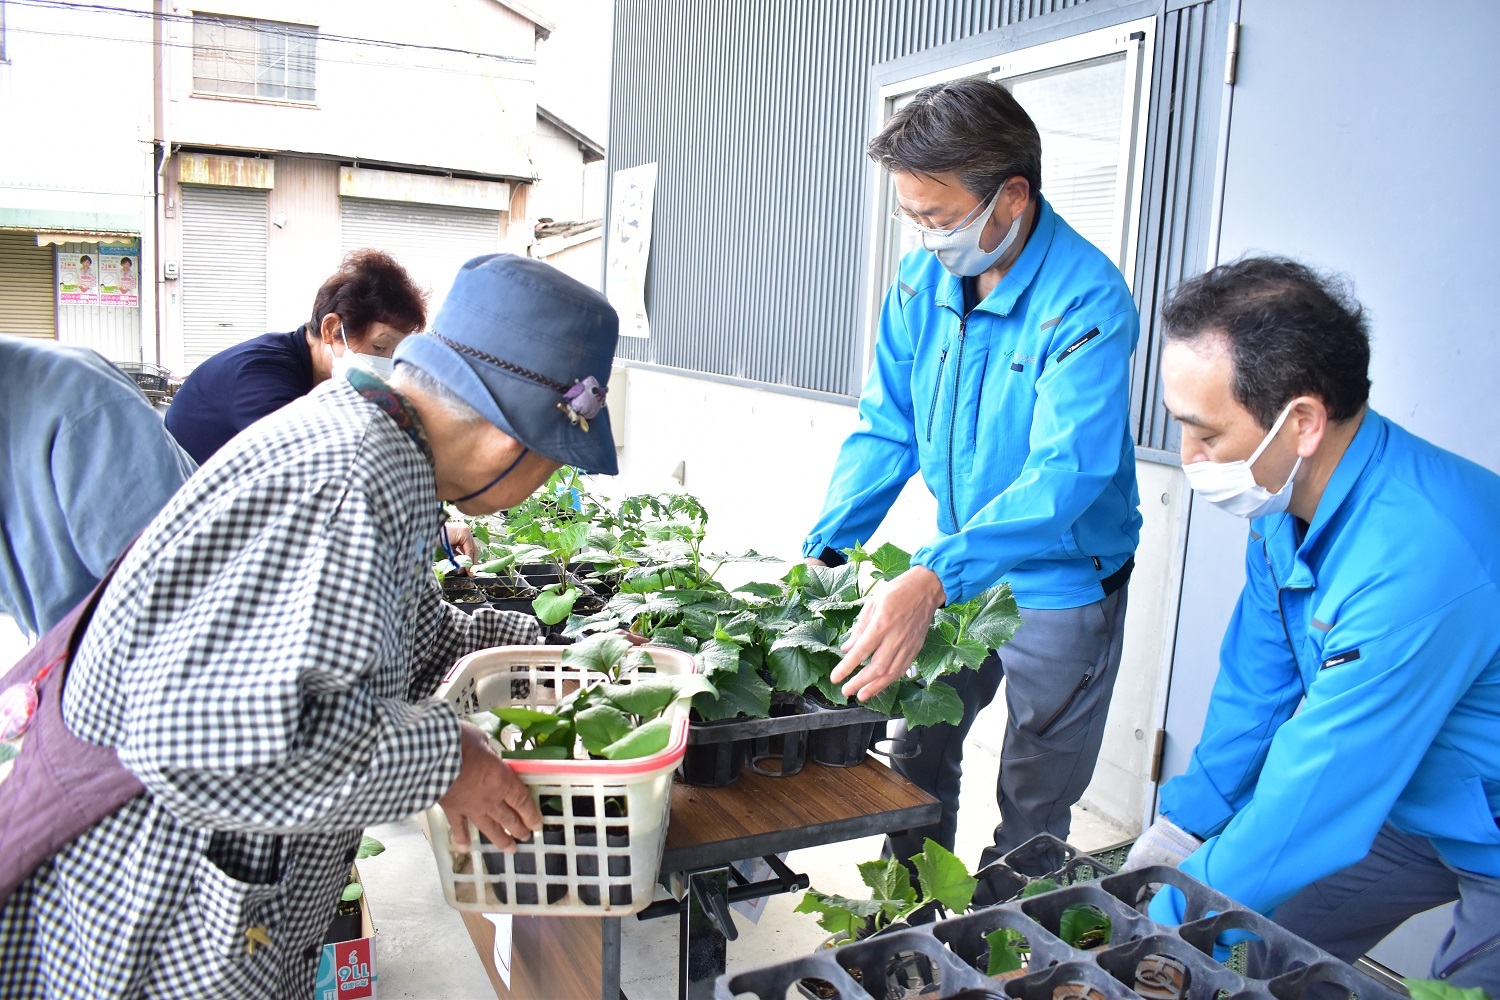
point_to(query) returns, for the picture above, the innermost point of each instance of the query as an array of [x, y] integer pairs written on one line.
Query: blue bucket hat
[[530, 349]]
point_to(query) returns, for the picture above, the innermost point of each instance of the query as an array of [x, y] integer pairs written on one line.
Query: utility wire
[[322, 57], [190, 19]]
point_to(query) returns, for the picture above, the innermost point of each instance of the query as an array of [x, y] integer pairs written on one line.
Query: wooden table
[[711, 828]]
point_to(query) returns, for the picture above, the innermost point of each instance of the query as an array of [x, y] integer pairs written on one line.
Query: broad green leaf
[[1083, 925], [995, 617], [603, 621], [938, 657], [368, 848], [838, 914], [889, 881], [538, 753], [1007, 947], [601, 725], [599, 653], [643, 741], [739, 628], [885, 701], [569, 540], [933, 703], [353, 891], [720, 657], [649, 698], [944, 877], [890, 561], [1434, 989], [762, 591], [743, 693], [832, 582], [794, 669], [1036, 887], [552, 606], [831, 692], [673, 637], [524, 717], [814, 636]]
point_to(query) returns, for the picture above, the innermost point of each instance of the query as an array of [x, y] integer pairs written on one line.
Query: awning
[[57, 239]]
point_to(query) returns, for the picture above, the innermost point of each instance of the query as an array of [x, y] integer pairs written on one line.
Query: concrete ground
[[424, 953]]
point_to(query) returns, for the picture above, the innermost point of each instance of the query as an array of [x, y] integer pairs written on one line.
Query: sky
[[573, 64]]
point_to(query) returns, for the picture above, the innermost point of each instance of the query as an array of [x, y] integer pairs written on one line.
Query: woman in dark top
[[366, 308]]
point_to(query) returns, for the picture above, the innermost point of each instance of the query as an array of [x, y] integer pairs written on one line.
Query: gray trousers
[[1347, 913], [1059, 673]]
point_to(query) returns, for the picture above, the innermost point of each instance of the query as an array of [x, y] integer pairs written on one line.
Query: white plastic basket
[[604, 821]]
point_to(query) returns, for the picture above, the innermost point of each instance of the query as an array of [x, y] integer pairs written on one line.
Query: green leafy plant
[[368, 848], [1436, 989], [615, 720], [942, 879]]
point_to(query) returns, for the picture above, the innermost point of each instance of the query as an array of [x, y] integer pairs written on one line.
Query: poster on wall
[[118, 276], [77, 279], [629, 246]]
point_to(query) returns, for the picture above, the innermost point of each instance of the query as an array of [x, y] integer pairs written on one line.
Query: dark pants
[[1059, 672], [1349, 912]]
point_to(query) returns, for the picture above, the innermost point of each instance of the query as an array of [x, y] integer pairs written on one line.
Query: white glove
[[1165, 843]]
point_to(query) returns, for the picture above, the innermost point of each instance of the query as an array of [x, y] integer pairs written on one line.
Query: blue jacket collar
[[1291, 560], [950, 291]]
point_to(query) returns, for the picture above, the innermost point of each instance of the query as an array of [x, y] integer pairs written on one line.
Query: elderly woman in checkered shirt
[[264, 658]]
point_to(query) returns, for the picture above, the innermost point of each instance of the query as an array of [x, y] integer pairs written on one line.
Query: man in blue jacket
[[1349, 770], [1002, 373]]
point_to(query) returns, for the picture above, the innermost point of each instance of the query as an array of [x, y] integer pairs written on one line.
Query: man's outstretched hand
[[890, 632]]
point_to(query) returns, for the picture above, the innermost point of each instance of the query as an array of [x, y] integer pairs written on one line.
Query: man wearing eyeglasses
[[1001, 373]]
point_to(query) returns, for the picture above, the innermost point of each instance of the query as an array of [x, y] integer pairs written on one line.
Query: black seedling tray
[[953, 952], [780, 745]]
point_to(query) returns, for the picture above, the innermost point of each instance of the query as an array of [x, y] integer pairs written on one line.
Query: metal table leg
[[706, 930]]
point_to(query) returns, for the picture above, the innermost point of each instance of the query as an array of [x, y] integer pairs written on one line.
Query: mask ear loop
[[1266, 441], [491, 484]]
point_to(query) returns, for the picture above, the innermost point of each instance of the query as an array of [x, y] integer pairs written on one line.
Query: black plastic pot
[[777, 746], [345, 926], [713, 765], [846, 745]]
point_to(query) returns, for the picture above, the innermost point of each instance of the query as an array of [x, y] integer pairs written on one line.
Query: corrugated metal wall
[[28, 292], [756, 115], [113, 331]]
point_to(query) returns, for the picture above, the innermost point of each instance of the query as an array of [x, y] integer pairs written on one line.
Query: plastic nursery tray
[[799, 727], [947, 958]]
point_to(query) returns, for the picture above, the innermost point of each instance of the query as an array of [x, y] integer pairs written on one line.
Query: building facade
[[240, 152]]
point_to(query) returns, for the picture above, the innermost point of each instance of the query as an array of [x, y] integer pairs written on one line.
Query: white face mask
[[1231, 486], [959, 249], [381, 368]]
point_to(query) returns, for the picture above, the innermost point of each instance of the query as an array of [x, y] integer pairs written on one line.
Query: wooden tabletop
[[759, 815]]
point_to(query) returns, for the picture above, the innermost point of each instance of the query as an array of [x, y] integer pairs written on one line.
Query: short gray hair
[[409, 376]]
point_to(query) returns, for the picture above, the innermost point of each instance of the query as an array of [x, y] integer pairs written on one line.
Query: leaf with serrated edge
[[600, 653], [944, 877], [928, 705], [794, 669], [1080, 922], [740, 694], [890, 561]]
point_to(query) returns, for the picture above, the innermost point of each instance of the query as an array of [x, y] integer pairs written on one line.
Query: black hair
[[85, 257], [1290, 332], [972, 127], [370, 287]]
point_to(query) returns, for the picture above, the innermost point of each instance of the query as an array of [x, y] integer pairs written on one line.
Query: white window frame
[[265, 32], [1136, 39]]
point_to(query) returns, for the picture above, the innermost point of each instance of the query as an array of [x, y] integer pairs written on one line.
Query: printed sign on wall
[[119, 282], [77, 279], [629, 247]]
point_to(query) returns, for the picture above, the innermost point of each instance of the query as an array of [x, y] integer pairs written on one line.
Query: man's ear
[[1309, 417]]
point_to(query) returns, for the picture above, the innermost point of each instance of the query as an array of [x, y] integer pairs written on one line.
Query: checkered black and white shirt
[[263, 661]]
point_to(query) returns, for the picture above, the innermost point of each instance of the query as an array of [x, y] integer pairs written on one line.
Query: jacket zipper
[[937, 390], [1470, 955], [958, 374], [1057, 716]]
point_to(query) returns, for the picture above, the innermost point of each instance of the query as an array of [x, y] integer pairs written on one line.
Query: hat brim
[[525, 410]]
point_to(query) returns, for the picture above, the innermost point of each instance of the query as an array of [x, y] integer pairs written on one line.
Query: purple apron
[[59, 785]]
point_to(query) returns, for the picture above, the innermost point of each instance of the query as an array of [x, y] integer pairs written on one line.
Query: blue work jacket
[[1382, 622], [1017, 416]]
